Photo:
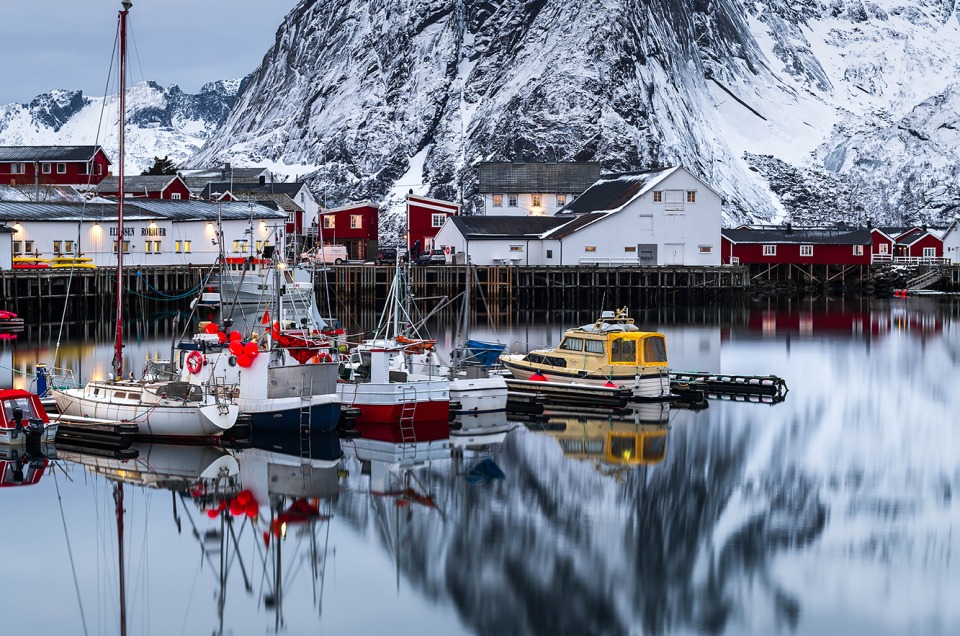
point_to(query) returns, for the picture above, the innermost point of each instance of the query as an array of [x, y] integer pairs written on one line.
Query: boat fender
[[194, 362], [323, 356], [232, 361]]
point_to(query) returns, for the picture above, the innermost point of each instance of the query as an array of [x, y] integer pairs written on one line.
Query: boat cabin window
[[654, 349], [623, 447], [593, 346], [571, 445], [655, 447], [623, 350], [25, 404], [593, 447], [572, 344]]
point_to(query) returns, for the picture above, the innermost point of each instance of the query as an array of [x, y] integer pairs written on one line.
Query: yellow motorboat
[[72, 262], [611, 350]]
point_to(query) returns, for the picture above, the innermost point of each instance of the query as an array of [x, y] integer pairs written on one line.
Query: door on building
[[673, 254]]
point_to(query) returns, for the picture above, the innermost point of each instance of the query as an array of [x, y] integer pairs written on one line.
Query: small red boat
[[23, 418], [9, 321], [20, 468]]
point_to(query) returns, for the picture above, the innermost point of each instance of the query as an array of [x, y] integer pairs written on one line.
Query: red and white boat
[[22, 416], [19, 467]]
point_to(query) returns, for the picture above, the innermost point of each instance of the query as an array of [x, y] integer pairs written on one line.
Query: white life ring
[[194, 362]]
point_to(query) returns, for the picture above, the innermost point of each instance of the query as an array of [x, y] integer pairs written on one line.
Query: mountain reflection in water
[[832, 512]]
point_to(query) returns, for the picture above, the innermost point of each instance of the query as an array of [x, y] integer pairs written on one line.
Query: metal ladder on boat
[[408, 412], [306, 424]]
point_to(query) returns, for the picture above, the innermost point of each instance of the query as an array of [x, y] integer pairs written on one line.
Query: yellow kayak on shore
[[72, 262]]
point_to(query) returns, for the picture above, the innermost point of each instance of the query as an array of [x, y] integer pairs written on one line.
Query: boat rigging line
[[73, 567]]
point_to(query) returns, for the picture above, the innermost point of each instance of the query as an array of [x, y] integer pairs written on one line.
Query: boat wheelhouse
[[611, 350], [22, 416]]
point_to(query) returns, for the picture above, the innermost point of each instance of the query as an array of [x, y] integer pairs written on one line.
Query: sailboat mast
[[118, 343], [118, 497]]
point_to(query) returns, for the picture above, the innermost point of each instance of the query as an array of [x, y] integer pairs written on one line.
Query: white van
[[326, 254]]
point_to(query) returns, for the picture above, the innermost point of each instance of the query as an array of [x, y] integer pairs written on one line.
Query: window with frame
[[858, 250], [83, 168], [329, 222], [691, 196], [512, 200], [177, 246], [17, 248], [498, 200], [884, 247], [126, 247], [769, 250], [734, 260], [806, 250], [18, 168], [148, 247], [537, 200], [356, 221], [99, 169], [61, 168], [572, 344], [437, 220], [929, 252], [706, 249], [658, 196], [175, 196], [258, 246], [589, 248], [240, 246], [630, 248], [594, 346], [516, 248], [623, 350], [549, 253], [187, 246], [28, 247], [654, 350], [561, 200], [68, 247], [46, 168], [58, 247]]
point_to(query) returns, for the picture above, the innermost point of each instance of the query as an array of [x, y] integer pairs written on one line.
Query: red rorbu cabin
[[354, 226], [796, 246], [53, 165], [146, 187], [425, 217]]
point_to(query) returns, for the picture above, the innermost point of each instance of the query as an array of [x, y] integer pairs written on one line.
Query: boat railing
[[63, 379]]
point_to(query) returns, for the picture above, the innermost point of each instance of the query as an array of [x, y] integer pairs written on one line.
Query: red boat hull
[[431, 421]]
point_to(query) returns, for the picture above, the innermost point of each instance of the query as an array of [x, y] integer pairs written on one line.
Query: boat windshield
[[572, 344], [623, 350], [654, 349], [25, 404], [593, 346]]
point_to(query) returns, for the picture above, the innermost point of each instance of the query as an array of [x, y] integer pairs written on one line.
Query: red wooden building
[[146, 187], [425, 217], [796, 246], [355, 226], [906, 244], [53, 165]]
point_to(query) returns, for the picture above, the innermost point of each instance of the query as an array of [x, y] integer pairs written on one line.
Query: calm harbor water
[[830, 513]]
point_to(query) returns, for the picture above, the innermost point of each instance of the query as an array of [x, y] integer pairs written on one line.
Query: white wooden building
[[536, 189], [156, 232], [951, 241], [6, 251], [659, 217]]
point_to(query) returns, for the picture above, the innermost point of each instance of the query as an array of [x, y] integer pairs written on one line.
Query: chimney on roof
[[789, 227]]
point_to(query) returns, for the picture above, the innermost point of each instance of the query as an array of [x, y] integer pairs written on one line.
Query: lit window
[[329, 222], [186, 246], [46, 168], [590, 248], [658, 196], [498, 200], [512, 200], [57, 247], [561, 200], [178, 246], [806, 250], [437, 220], [706, 249], [630, 248], [537, 200], [126, 247], [356, 221], [148, 246], [858, 250], [239, 246], [61, 168], [769, 250], [259, 246], [691, 196], [516, 248], [175, 196], [68, 247]]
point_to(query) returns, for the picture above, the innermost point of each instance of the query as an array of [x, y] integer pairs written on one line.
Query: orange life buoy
[[323, 356], [194, 362]]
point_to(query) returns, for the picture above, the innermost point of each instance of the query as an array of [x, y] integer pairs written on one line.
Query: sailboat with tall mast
[[161, 409]]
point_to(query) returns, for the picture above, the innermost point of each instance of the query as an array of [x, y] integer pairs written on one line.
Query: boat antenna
[[118, 343]]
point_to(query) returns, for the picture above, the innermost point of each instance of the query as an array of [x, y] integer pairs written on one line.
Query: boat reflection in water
[[20, 466], [635, 435]]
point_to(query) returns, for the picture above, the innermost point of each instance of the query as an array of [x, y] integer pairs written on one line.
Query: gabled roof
[[895, 232], [140, 210], [288, 188], [817, 235], [138, 183], [613, 192], [476, 228], [41, 193], [197, 178], [915, 235], [574, 224], [517, 178], [49, 153], [188, 210]]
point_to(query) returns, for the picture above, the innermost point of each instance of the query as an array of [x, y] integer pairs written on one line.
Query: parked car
[[431, 257], [327, 254], [388, 255]]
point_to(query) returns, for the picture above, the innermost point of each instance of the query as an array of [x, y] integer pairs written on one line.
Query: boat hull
[[7, 438], [478, 395], [154, 420], [284, 416], [648, 383], [382, 406]]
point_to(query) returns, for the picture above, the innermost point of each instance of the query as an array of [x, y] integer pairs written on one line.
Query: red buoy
[[538, 377]]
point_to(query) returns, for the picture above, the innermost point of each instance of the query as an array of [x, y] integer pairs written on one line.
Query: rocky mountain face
[[820, 110], [160, 121]]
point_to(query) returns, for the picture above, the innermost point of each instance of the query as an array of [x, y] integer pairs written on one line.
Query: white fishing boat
[[161, 409]]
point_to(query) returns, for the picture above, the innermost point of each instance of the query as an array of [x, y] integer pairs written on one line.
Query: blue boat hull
[[323, 418]]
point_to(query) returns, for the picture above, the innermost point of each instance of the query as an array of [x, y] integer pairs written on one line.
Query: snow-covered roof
[[142, 209], [504, 227], [613, 192], [554, 177], [810, 235], [40, 193], [48, 153], [289, 188], [137, 183]]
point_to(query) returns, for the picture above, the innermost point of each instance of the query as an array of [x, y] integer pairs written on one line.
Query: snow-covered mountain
[[819, 109], [161, 121]]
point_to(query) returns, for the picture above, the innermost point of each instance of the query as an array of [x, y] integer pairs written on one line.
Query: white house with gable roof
[[656, 217]]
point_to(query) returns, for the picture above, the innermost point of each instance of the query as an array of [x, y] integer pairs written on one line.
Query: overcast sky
[[51, 44]]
